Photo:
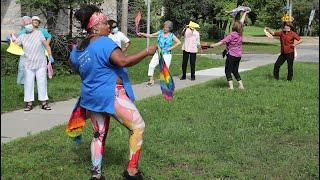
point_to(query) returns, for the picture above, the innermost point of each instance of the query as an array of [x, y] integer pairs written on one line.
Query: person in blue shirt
[[106, 89], [165, 39]]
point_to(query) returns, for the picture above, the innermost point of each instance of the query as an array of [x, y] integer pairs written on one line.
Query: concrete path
[[18, 123]]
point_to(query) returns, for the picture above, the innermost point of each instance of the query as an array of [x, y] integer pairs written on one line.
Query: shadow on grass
[[219, 84], [269, 76], [114, 156], [258, 44], [258, 35]]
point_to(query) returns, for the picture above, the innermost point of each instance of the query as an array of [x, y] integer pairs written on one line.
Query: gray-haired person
[[165, 42]]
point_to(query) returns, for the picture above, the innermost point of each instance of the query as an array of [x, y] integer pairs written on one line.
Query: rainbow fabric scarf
[[166, 80], [76, 122]]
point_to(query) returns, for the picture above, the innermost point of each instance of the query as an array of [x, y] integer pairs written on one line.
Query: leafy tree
[[51, 8], [181, 12]]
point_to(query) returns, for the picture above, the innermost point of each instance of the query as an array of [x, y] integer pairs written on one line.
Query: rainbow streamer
[[166, 80], [76, 122]]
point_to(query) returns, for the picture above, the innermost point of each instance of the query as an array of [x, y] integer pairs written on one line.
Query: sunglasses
[[114, 27]]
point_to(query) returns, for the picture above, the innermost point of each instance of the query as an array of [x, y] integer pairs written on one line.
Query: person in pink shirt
[[234, 51], [190, 49]]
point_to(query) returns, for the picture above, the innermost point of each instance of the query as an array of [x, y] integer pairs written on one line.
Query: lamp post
[[290, 10], [148, 22]]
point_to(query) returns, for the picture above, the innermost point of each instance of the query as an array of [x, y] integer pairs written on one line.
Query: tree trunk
[[52, 20], [124, 17], [70, 22]]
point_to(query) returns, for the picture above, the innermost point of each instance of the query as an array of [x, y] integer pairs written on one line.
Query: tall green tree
[[181, 12], [51, 8]]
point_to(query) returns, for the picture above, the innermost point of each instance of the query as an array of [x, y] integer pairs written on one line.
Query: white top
[[118, 38], [191, 41], [33, 49]]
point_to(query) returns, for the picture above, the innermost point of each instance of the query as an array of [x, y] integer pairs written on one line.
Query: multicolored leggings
[[128, 115]]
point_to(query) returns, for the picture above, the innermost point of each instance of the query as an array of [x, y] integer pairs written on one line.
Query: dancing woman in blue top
[[105, 87], [165, 42]]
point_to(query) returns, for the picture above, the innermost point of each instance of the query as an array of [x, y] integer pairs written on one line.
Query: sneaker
[[96, 176], [183, 78], [137, 176]]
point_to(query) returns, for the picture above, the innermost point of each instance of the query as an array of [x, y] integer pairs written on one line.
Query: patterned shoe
[[137, 176], [96, 176]]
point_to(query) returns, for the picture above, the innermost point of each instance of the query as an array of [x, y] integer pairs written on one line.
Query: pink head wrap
[[95, 19]]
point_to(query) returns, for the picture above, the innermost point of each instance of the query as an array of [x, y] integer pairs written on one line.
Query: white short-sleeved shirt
[[118, 38], [33, 49]]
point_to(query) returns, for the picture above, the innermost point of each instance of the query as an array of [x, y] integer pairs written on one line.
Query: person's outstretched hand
[[152, 49]]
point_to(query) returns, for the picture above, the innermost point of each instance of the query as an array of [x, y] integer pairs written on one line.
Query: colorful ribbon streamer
[[166, 80], [76, 122]]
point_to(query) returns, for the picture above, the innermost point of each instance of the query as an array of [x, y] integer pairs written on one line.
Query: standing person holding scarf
[[288, 44], [165, 39], [35, 64], [234, 51], [105, 88], [26, 20], [190, 49]]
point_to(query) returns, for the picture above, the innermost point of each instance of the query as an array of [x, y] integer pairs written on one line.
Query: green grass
[[255, 31], [65, 87], [268, 131]]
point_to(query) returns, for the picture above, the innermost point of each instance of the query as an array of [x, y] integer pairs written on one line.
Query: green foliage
[[9, 62], [269, 13], [301, 12], [51, 8], [181, 13]]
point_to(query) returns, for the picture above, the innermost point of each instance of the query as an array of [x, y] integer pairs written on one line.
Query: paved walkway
[[18, 123]]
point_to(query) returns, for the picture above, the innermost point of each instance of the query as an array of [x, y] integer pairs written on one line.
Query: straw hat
[[193, 25]]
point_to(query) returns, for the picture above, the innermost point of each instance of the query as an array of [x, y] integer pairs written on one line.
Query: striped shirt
[[33, 49]]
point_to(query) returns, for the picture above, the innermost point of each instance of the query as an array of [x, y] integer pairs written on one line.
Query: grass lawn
[[60, 87], [268, 131], [255, 31]]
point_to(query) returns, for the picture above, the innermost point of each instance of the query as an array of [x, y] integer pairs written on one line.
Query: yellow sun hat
[[15, 49], [193, 25]]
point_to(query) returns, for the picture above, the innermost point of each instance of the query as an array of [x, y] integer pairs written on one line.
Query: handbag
[[224, 53], [50, 70]]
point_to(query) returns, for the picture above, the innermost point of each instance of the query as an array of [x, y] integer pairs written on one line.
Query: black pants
[[281, 59], [232, 66], [193, 57]]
